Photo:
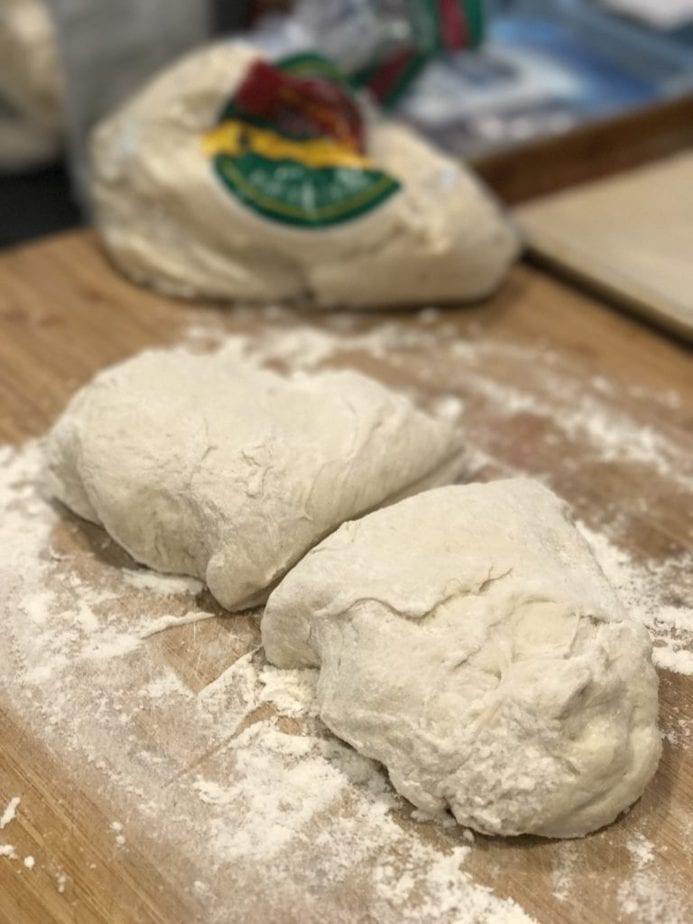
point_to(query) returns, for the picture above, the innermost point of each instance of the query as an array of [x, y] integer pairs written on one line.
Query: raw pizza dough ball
[[169, 222], [213, 467], [468, 640]]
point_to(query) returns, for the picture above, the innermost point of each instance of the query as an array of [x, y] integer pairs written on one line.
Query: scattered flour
[[168, 683], [215, 777], [647, 895], [641, 850], [29, 862], [10, 812], [164, 584], [563, 870], [648, 898], [644, 590], [221, 780], [449, 406], [291, 691]]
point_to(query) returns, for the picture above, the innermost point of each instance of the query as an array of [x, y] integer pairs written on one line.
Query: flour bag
[[238, 175]]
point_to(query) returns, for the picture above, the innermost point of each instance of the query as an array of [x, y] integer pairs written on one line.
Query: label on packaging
[[290, 145]]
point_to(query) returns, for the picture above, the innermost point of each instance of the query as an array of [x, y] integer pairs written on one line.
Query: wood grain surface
[[521, 363], [630, 236]]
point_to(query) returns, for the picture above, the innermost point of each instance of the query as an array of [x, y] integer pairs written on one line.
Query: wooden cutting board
[[629, 236], [153, 787]]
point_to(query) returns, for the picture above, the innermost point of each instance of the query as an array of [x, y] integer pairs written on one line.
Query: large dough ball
[[168, 221], [468, 640], [209, 466]]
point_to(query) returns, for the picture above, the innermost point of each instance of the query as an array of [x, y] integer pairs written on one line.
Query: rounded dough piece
[[168, 222], [468, 640], [214, 467]]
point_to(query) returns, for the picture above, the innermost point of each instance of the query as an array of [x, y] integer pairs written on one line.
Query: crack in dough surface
[[468, 640]]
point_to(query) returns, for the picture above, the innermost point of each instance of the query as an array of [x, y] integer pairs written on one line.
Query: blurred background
[[524, 70]]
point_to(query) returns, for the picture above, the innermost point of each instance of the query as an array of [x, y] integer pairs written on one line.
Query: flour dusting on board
[[646, 895], [218, 760], [646, 591], [10, 812], [240, 772]]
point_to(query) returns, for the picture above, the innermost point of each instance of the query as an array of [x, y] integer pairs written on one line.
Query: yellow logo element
[[235, 138]]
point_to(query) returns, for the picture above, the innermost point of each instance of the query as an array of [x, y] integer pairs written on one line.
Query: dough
[[216, 468], [169, 222], [468, 640]]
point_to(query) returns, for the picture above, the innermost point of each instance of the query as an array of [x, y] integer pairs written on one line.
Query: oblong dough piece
[[214, 467], [468, 640], [168, 222]]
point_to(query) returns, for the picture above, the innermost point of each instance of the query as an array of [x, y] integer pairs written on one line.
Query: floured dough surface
[[168, 222], [468, 640], [213, 467]]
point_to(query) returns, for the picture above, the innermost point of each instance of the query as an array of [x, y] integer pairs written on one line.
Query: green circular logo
[[289, 146]]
